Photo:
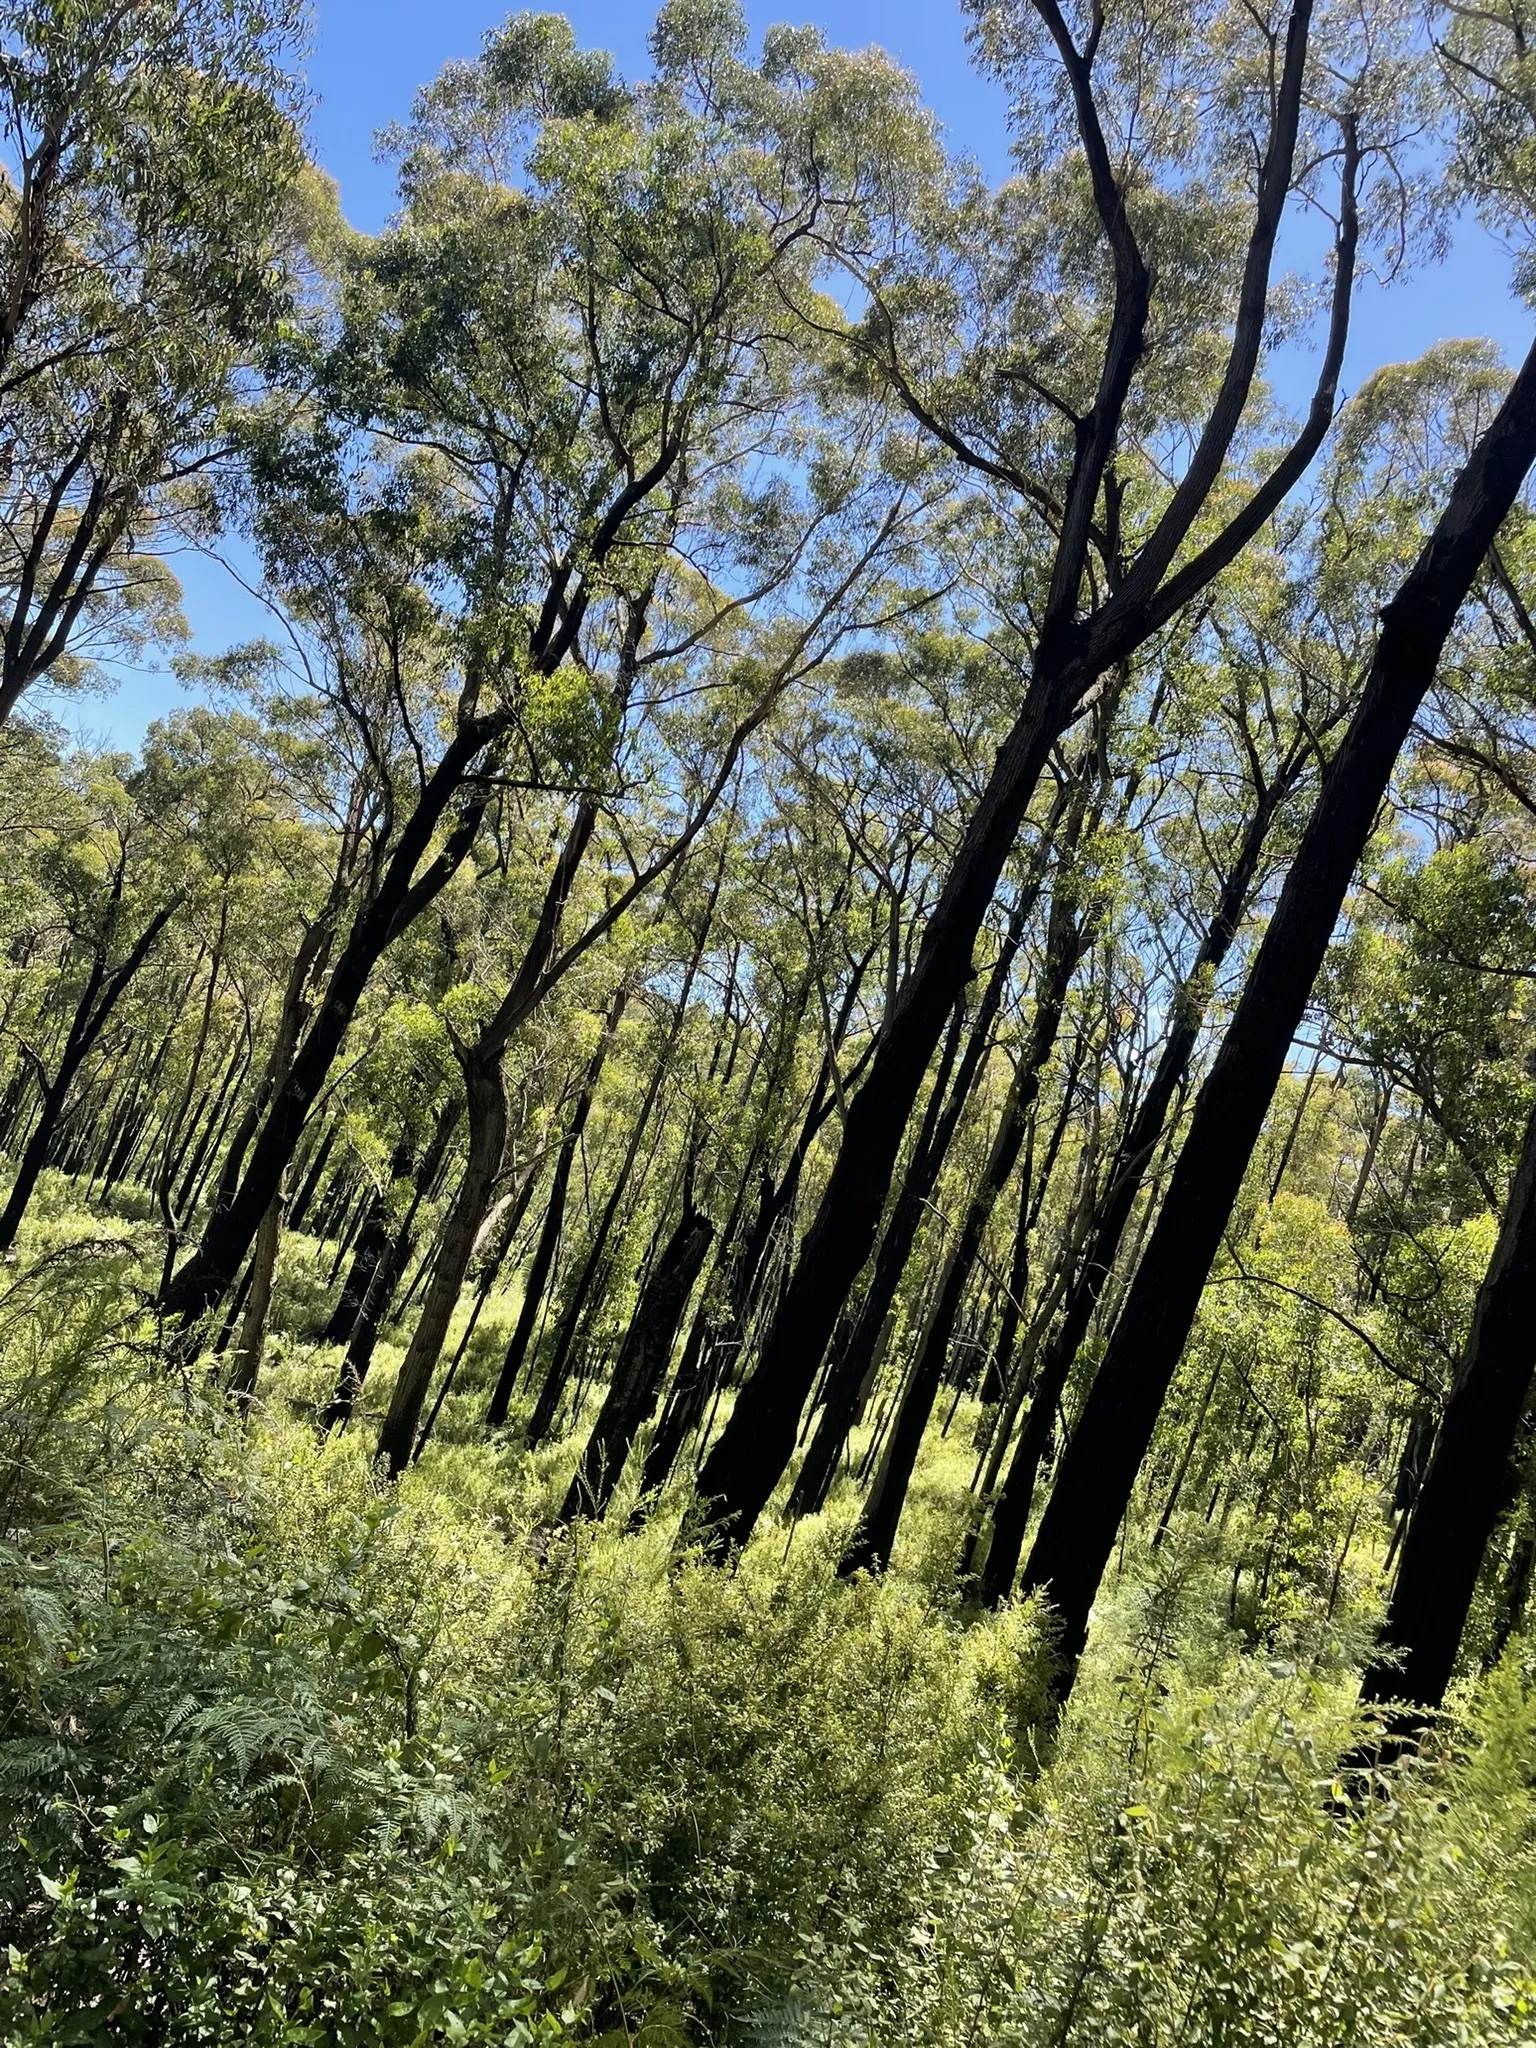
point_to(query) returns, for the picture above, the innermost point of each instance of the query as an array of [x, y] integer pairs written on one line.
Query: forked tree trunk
[[1071, 655]]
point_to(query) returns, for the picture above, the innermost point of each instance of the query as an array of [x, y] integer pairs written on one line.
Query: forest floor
[[290, 1756]]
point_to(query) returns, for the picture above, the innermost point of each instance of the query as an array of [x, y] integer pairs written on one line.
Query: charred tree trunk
[[641, 1366], [97, 1000], [382, 1281], [562, 1350], [1466, 1487], [1011, 1511], [1071, 654], [486, 1098], [849, 1376], [1098, 1470], [246, 1368], [554, 1223], [373, 1242], [401, 896], [1067, 939]]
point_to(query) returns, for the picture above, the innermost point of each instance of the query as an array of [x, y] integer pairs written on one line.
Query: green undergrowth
[[289, 1758]]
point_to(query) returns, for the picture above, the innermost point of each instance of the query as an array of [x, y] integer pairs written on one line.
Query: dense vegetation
[[769, 1218]]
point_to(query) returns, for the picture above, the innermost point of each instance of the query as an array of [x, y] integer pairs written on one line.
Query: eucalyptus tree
[[846, 523], [1466, 1486], [151, 198], [1077, 903], [111, 873], [1268, 681], [551, 396], [1096, 1474], [1112, 301]]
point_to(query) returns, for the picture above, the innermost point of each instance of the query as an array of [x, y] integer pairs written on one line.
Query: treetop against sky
[[369, 58]]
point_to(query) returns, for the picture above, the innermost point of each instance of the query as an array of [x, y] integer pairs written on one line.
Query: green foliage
[[288, 1761]]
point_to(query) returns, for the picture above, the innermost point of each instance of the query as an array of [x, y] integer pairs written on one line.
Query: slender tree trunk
[[1467, 1485], [557, 1371], [492, 1266], [758, 1440], [379, 1290], [373, 1242], [1098, 1470], [215, 1124], [401, 896], [848, 1381], [99, 997], [486, 1097], [258, 1303], [563, 1347], [1011, 1511], [554, 1222], [685, 1406], [1068, 938], [642, 1364], [309, 1187]]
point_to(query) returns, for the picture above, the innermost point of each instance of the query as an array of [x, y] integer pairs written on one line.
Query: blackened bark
[[685, 1406], [554, 1222], [314, 1173], [843, 1393], [246, 1368], [641, 1366], [1466, 1488], [103, 988], [382, 1281], [758, 1440], [373, 1241], [752, 1260], [486, 1097], [485, 1093], [1071, 654], [1011, 1511], [1099, 1467], [401, 896], [562, 1350], [1068, 937]]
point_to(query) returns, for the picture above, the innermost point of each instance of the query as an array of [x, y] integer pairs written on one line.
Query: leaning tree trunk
[[1071, 654], [486, 1096], [641, 1366], [373, 1242], [853, 1365], [869, 1548], [554, 1222], [563, 1349], [243, 1373], [1466, 1487], [402, 895], [97, 1001], [1011, 1511], [487, 1101], [384, 1279], [1098, 1469]]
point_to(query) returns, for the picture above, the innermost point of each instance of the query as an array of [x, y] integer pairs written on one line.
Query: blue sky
[[369, 56]]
